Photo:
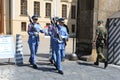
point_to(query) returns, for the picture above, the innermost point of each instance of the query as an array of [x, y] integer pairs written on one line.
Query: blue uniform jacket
[[51, 33], [32, 37], [63, 33]]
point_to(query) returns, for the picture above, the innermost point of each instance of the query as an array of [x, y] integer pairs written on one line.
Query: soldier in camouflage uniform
[[100, 42]]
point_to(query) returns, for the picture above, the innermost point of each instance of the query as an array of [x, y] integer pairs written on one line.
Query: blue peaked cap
[[56, 18], [61, 20], [34, 17]]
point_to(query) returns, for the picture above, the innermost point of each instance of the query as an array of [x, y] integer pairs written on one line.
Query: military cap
[[61, 20], [100, 21], [34, 17]]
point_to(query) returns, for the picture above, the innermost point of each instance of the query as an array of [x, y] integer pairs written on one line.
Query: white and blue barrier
[[19, 48]]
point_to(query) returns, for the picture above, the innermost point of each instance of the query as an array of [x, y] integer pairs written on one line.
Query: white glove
[[60, 41], [63, 36], [36, 33]]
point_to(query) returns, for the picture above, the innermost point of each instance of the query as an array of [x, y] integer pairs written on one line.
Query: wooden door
[[1, 16], [84, 33]]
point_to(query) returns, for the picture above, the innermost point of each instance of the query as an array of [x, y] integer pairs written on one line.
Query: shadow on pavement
[[44, 55], [7, 63], [44, 69], [44, 63], [89, 64], [47, 55], [47, 69]]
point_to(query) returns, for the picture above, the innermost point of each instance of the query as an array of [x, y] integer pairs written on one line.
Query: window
[[37, 8], [64, 0], [23, 26], [73, 12], [47, 0], [47, 24], [23, 7], [48, 9], [73, 28], [64, 11]]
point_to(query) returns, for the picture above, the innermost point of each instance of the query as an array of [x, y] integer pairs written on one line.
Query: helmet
[[34, 17]]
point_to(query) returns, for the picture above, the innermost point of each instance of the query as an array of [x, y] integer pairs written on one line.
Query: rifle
[[30, 20], [54, 23]]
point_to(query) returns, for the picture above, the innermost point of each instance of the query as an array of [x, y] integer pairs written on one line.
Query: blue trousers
[[58, 58], [62, 54], [53, 57], [33, 50]]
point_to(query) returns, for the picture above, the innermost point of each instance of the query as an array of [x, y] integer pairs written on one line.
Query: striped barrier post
[[114, 41], [19, 48]]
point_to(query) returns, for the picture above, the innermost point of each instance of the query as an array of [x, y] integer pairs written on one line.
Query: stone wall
[[107, 8]]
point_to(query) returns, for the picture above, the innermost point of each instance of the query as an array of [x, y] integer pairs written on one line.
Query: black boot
[[35, 66], [60, 72], [105, 64], [96, 63], [51, 61]]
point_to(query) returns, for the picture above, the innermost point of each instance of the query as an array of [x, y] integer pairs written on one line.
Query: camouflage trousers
[[100, 56]]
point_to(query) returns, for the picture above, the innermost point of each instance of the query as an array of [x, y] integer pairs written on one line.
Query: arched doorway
[[1, 16]]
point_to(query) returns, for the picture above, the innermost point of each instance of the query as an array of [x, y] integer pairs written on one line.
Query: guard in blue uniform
[[51, 32], [33, 31], [61, 23], [60, 38]]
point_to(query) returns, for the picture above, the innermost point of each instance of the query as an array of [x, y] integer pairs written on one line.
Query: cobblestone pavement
[[73, 70]]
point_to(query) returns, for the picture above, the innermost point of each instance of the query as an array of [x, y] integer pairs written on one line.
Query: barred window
[[48, 9], [73, 11], [64, 11], [23, 26], [37, 8], [23, 7]]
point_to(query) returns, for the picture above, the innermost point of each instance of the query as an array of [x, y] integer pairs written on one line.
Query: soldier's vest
[[101, 39]]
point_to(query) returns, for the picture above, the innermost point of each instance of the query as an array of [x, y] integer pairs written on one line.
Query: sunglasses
[[35, 19]]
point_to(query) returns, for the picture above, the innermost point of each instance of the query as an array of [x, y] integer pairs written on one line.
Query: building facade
[[16, 14]]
